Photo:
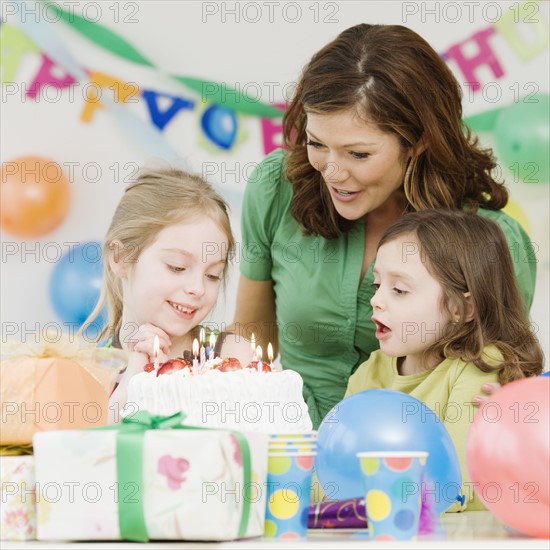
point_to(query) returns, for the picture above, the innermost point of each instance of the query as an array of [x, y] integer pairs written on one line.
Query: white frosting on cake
[[247, 400]]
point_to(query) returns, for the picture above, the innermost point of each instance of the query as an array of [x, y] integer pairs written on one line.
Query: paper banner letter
[[123, 91], [533, 23], [15, 45], [485, 56], [272, 131], [46, 76], [162, 118]]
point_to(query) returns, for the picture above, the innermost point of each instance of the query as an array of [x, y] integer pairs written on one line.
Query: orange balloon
[[35, 196]]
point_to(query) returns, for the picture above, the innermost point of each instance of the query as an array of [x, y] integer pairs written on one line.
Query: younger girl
[[449, 317], [166, 255]]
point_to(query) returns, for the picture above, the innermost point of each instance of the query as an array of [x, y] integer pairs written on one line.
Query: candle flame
[[259, 353], [253, 343], [212, 340], [270, 351], [195, 348], [201, 336]]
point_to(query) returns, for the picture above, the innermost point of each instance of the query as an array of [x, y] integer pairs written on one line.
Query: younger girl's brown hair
[[467, 253]]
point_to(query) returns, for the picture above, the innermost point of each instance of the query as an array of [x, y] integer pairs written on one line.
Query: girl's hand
[[489, 389], [143, 341]]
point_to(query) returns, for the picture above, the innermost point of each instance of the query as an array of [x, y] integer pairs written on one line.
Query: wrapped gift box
[[18, 498], [184, 484], [54, 386]]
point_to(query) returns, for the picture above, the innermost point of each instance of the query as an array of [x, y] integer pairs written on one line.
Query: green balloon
[[522, 139]]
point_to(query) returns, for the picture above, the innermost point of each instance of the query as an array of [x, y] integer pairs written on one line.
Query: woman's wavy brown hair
[[465, 252], [392, 77]]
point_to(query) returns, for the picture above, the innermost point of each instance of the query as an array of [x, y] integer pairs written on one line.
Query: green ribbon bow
[[129, 462]]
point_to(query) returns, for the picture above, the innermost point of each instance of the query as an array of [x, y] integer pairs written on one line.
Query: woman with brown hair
[[374, 131]]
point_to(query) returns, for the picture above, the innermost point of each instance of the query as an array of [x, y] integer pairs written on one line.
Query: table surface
[[461, 530]]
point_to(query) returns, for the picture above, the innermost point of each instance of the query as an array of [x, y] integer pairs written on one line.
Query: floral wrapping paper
[[18, 498], [193, 485]]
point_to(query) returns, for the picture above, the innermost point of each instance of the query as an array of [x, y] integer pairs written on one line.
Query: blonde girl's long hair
[[157, 199]]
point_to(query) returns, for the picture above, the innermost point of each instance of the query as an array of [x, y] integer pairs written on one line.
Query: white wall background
[[261, 47]]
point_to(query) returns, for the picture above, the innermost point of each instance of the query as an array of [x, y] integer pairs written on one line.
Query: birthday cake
[[223, 395]]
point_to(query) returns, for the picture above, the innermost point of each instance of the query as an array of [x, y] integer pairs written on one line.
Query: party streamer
[[101, 36], [217, 92], [145, 135]]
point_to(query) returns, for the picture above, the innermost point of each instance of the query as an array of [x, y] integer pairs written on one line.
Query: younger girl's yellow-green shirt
[[323, 307], [448, 390]]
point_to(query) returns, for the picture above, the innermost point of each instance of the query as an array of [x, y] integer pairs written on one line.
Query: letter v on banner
[[160, 117]]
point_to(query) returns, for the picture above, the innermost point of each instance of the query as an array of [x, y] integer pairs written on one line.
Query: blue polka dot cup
[[393, 492], [288, 494]]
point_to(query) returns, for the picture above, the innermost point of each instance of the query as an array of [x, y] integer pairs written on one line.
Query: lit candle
[[202, 357], [270, 355], [156, 347], [253, 347], [259, 356], [202, 353], [212, 345], [195, 353]]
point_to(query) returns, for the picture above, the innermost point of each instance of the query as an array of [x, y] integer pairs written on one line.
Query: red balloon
[[35, 196], [508, 455]]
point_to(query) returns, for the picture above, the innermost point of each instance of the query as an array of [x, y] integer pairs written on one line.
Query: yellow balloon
[[514, 211]]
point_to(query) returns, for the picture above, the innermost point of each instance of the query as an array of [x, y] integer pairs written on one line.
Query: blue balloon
[[220, 125], [385, 420], [547, 373], [75, 284]]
